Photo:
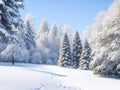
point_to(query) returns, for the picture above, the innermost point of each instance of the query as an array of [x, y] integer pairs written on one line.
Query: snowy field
[[49, 77]]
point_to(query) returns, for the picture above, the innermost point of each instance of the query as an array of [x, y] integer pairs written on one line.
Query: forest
[[97, 50]]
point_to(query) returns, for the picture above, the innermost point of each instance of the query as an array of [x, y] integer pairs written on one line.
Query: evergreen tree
[[44, 27], [30, 35], [54, 44], [29, 32], [85, 57], [12, 31], [9, 18], [54, 30], [76, 50], [42, 38], [65, 53]]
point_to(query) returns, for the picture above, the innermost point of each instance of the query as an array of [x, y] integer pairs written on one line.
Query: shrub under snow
[[14, 51]]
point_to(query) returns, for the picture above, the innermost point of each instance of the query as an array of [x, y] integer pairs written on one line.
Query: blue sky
[[76, 13]]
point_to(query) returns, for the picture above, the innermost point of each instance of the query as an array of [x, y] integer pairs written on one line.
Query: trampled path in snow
[[50, 77]]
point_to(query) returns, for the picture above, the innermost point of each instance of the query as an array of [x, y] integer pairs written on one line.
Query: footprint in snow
[[40, 88]]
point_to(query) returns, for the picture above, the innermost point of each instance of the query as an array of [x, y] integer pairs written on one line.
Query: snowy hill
[[48, 77]]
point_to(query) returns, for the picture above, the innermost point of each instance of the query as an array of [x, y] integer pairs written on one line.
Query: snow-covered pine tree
[[76, 50], [43, 27], [54, 44], [30, 35], [54, 30], [65, 59], [85, 57], [29, 32], [12, 31], [42, 41], [9, 18], [42, 37]]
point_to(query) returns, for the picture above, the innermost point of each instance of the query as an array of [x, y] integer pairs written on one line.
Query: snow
[[49, 77], [4, 32], [1, 2], [19, 3]]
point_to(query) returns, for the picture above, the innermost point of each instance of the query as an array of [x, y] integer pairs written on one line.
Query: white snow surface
[[1, 2], [50, 77], [4, 32]]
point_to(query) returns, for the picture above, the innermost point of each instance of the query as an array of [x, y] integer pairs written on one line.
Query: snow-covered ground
[[49, 77]]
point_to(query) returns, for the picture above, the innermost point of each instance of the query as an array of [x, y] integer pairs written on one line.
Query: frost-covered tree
[[107, 44], [85, 57], [42, 37], [44, 26], [11, 25], [29, 31], [54, 30], [36, 57], [118, 69], [67, 29], [93, 32], [65, 59], [76, 50], [30, 34], [48, 42], [54, 44], [15, 53], [42, 40], [9, 18]]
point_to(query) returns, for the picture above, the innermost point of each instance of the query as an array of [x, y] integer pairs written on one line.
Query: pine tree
[[76, 50], [85, 57], [65, 53], [30, 35], [54, 44], [9, 18], [42, 38], [54, 30], [44, 27], [29, 32]]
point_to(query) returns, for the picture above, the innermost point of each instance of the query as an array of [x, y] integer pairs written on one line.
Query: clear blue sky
[[76, 13]]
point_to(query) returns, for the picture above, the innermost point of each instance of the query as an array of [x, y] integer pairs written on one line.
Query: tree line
[[80, 55], [99, 50], [20, 43]]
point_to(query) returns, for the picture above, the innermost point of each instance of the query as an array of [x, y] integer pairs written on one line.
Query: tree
[[42, 37], [85, 57], [29, 32], [15, 53], [118, 69], [42, 40], [65, 59], [36, 57], [76, 50], [11, 30], [107, 47], [92, 32], [44, 27], [9, 18], [54, 44], [54, 30]]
